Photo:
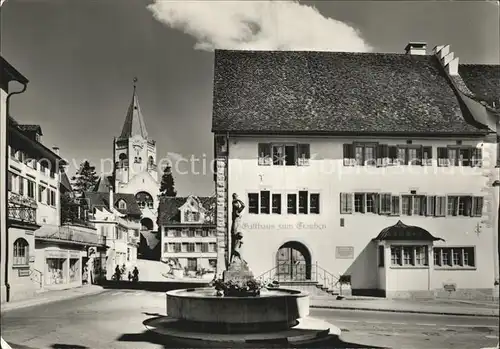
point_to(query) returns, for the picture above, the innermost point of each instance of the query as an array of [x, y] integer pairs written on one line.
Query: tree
[[68, 213], [167, 188], [85, 178]]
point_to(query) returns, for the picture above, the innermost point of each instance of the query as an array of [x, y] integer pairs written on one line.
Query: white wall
[[326, 175]]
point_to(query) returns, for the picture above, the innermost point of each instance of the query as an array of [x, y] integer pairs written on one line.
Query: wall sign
[[24, 272], [56, 254], [344, 252]]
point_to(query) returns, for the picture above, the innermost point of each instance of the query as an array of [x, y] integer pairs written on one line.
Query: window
[[177, 247], [31, 189], [419, 203], [265, 202], [460, 156], [314, 203], [371, 203], [212, 247], [190, 247], [359, 202], [42, 195], [364, 154], [346, 203], [13, 182], [21, 185], [292, 203], [190, 233], [204, 247], [52, 198], [385, 203], [406, 205], [283, 154], [144, 200], [303, 154], [253, 203], [303, 204], [454, 257], [276, 203], [21, 252], [381, 256], [477, 206], [122, 205], [408, 255], [385, 155], [460, 206], [264, 157], [440, 210], [192, 264]]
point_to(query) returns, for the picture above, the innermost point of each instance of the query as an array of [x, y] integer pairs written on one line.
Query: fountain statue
[[239, 311]]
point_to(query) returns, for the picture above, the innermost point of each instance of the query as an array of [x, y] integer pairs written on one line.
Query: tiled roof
[[334, 93], [31, 128], [168, 209], [483, 80], [403, 232], [101, 199], [134, 121]]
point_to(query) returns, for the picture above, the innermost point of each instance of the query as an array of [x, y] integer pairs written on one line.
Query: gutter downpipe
[[6, 174], [228, 230]]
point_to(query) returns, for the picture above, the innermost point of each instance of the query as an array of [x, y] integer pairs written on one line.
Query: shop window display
[[55, 271], [74, 270]]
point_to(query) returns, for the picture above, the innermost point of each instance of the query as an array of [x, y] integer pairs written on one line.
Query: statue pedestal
[[238, 271]]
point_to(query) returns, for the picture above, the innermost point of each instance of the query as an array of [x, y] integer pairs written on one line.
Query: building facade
[[382, 179], [135, 170], [8, 74], [117, 218], [188, 234]]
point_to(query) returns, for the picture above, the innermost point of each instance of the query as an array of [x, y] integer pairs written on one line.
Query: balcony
[[71, 234], [22, 214], [21, 209]]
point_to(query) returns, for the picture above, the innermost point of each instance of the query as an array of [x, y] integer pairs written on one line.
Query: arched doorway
[[293, 261], [146, 224]]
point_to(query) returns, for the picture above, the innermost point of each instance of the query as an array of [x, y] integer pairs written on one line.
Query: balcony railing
[[22, 213], [75, 234]]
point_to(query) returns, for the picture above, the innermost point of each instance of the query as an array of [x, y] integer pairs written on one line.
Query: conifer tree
[[85, 178], [167, 188]]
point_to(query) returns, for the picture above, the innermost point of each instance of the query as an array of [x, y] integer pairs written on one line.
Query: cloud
[[257, 25]]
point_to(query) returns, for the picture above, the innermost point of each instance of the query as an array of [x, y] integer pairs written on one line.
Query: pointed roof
[[102, 185], [134, 121]]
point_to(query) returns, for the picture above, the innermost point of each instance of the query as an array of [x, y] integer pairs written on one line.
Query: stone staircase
[[316, 289]]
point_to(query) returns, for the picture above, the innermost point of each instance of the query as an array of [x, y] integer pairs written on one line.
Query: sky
[[81, 58]]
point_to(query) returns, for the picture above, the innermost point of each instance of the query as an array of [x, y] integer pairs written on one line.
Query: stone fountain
[[239, 311]]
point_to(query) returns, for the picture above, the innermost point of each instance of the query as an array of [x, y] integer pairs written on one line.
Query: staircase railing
[[36, 276], [317, 274]]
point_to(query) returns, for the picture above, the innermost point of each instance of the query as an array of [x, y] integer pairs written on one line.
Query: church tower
[[134, 156]]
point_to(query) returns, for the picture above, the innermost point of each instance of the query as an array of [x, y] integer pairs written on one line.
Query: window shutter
[[348, 154], [420, 156], [442, 154], [429, 206], [342, 201]]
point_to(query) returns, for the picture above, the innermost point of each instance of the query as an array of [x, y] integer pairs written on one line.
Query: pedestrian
[[129, 276], [118, 273], [136, 274]]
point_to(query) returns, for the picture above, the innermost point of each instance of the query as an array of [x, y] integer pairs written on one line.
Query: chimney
[[56, 150], [447, 59], [111, 195], [416, 48]]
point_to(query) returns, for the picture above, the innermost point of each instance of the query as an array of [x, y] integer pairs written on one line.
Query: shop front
[[62, 266]]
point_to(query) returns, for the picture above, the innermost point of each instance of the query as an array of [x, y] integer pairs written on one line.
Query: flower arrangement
[[237, 288]]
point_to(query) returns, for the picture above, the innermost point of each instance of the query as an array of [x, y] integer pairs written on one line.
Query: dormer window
[[122, 205], [190, 216]]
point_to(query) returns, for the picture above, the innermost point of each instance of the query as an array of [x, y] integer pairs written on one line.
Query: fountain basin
[[275, 307]]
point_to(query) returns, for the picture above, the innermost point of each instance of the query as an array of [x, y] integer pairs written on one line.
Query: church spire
[[134, 122]]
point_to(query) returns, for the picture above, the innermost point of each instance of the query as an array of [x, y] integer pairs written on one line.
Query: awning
[[403, 232], [69, 235]]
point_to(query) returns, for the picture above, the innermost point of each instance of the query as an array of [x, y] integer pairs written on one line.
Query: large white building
[[375, 167], [136, 170]]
